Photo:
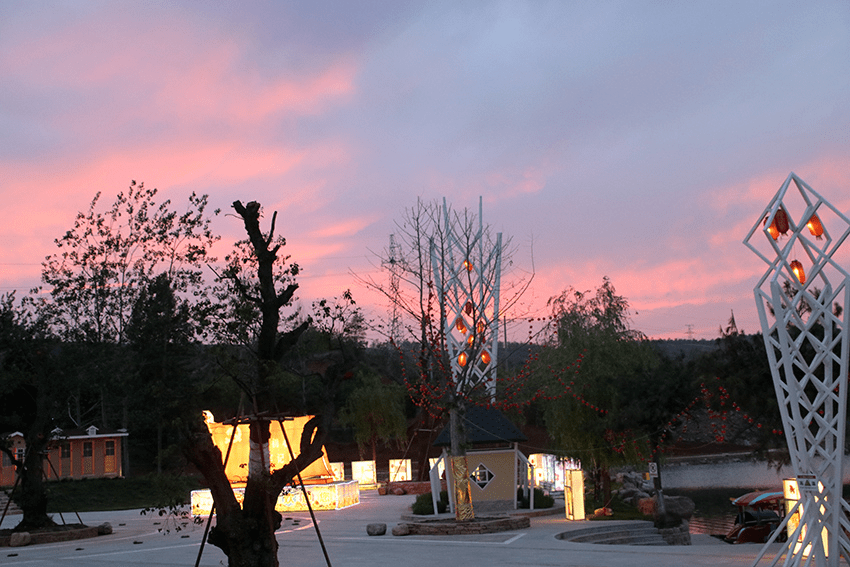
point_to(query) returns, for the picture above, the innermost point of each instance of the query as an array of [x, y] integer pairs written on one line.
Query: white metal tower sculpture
[[802, 302], [394, 263], [466, 275]]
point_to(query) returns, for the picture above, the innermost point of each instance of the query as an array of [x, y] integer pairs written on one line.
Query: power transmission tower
[[394, 263], [690, 332]]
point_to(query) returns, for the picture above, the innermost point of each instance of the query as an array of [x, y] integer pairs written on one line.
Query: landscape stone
[[680, 507], [401, 530], [104, 529], [376, 529], [20, 539]]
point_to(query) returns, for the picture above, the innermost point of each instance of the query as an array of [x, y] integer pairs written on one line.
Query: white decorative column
[[802, 301], [467, 273]]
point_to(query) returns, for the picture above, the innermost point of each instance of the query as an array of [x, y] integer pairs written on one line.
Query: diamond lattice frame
[[807, 344], [467, 276]]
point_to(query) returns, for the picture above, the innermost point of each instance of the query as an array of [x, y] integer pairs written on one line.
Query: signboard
[[653, 470], [807, 483]]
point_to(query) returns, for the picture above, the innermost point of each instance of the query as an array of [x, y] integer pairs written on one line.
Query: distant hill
[[684, 348]]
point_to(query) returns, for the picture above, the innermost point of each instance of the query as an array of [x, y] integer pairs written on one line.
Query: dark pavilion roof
[[484, 425]]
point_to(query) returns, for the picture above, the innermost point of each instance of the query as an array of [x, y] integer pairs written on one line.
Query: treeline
[[138, 327]]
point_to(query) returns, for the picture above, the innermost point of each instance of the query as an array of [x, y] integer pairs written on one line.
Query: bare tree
[[448, 268], [258, 284]]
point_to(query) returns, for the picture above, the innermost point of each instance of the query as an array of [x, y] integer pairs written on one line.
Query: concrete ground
[[137, 541]]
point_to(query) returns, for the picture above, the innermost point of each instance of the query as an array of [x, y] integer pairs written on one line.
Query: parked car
[[759, 514]]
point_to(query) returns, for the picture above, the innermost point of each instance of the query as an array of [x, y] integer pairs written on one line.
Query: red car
[[759, 514]]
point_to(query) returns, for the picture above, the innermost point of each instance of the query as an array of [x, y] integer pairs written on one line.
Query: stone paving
[[138, 540]]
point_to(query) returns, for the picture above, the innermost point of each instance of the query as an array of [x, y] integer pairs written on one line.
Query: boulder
[[20, 539], [399, 491], [104, 529], [401, 530], [376, 529], [679, 507]]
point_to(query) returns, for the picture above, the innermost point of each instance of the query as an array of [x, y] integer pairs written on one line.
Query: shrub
[[424, 505], [540, 500]]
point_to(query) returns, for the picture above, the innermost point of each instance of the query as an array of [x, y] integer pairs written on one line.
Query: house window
[[110, 448], [87, 449], [65, 451], [481, 476]]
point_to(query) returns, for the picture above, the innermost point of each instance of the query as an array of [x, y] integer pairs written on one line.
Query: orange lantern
[[797, 268], [460, 326], [815, 226], [468, 308], [779, 225], [468, 265], [480, 327], [462, 358], [471, 339], [485, 357]]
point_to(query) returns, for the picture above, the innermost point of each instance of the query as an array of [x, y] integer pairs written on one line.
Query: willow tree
[[595, 326]]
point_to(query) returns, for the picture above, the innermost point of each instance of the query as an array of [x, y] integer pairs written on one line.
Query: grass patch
[[622, 511], [103, 494]]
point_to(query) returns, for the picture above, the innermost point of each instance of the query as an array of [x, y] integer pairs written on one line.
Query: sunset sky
[[634, 140]]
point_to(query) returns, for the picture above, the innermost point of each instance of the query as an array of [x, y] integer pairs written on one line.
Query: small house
[[72, 453], [85, 453], [494, 460]]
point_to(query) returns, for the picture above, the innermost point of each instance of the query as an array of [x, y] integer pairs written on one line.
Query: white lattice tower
[[807, 344], [466, 275], [394, 263]]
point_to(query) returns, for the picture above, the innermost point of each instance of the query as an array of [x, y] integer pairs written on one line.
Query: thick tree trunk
[[460, 470], [33, 499], [246, 533]]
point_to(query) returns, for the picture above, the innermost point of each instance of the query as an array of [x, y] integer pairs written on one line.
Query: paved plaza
[[136, 541]]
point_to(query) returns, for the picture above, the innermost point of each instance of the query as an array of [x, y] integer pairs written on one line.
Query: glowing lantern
[[462, 358], [460, 326], [471, 339], [480, 327], [779, 225], [485, 357], [468, 265], [797, 268], [468, 308], [815, 226]]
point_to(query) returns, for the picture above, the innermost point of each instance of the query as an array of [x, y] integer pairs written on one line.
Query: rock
[[399, 491], [680, 507], [624, 493], [382, 490], [376, 529], [640, 495], [104, 529], [401, 530], [20, 539]]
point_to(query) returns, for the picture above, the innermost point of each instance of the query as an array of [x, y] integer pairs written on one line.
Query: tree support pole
[[212, 508], [306, 496]]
